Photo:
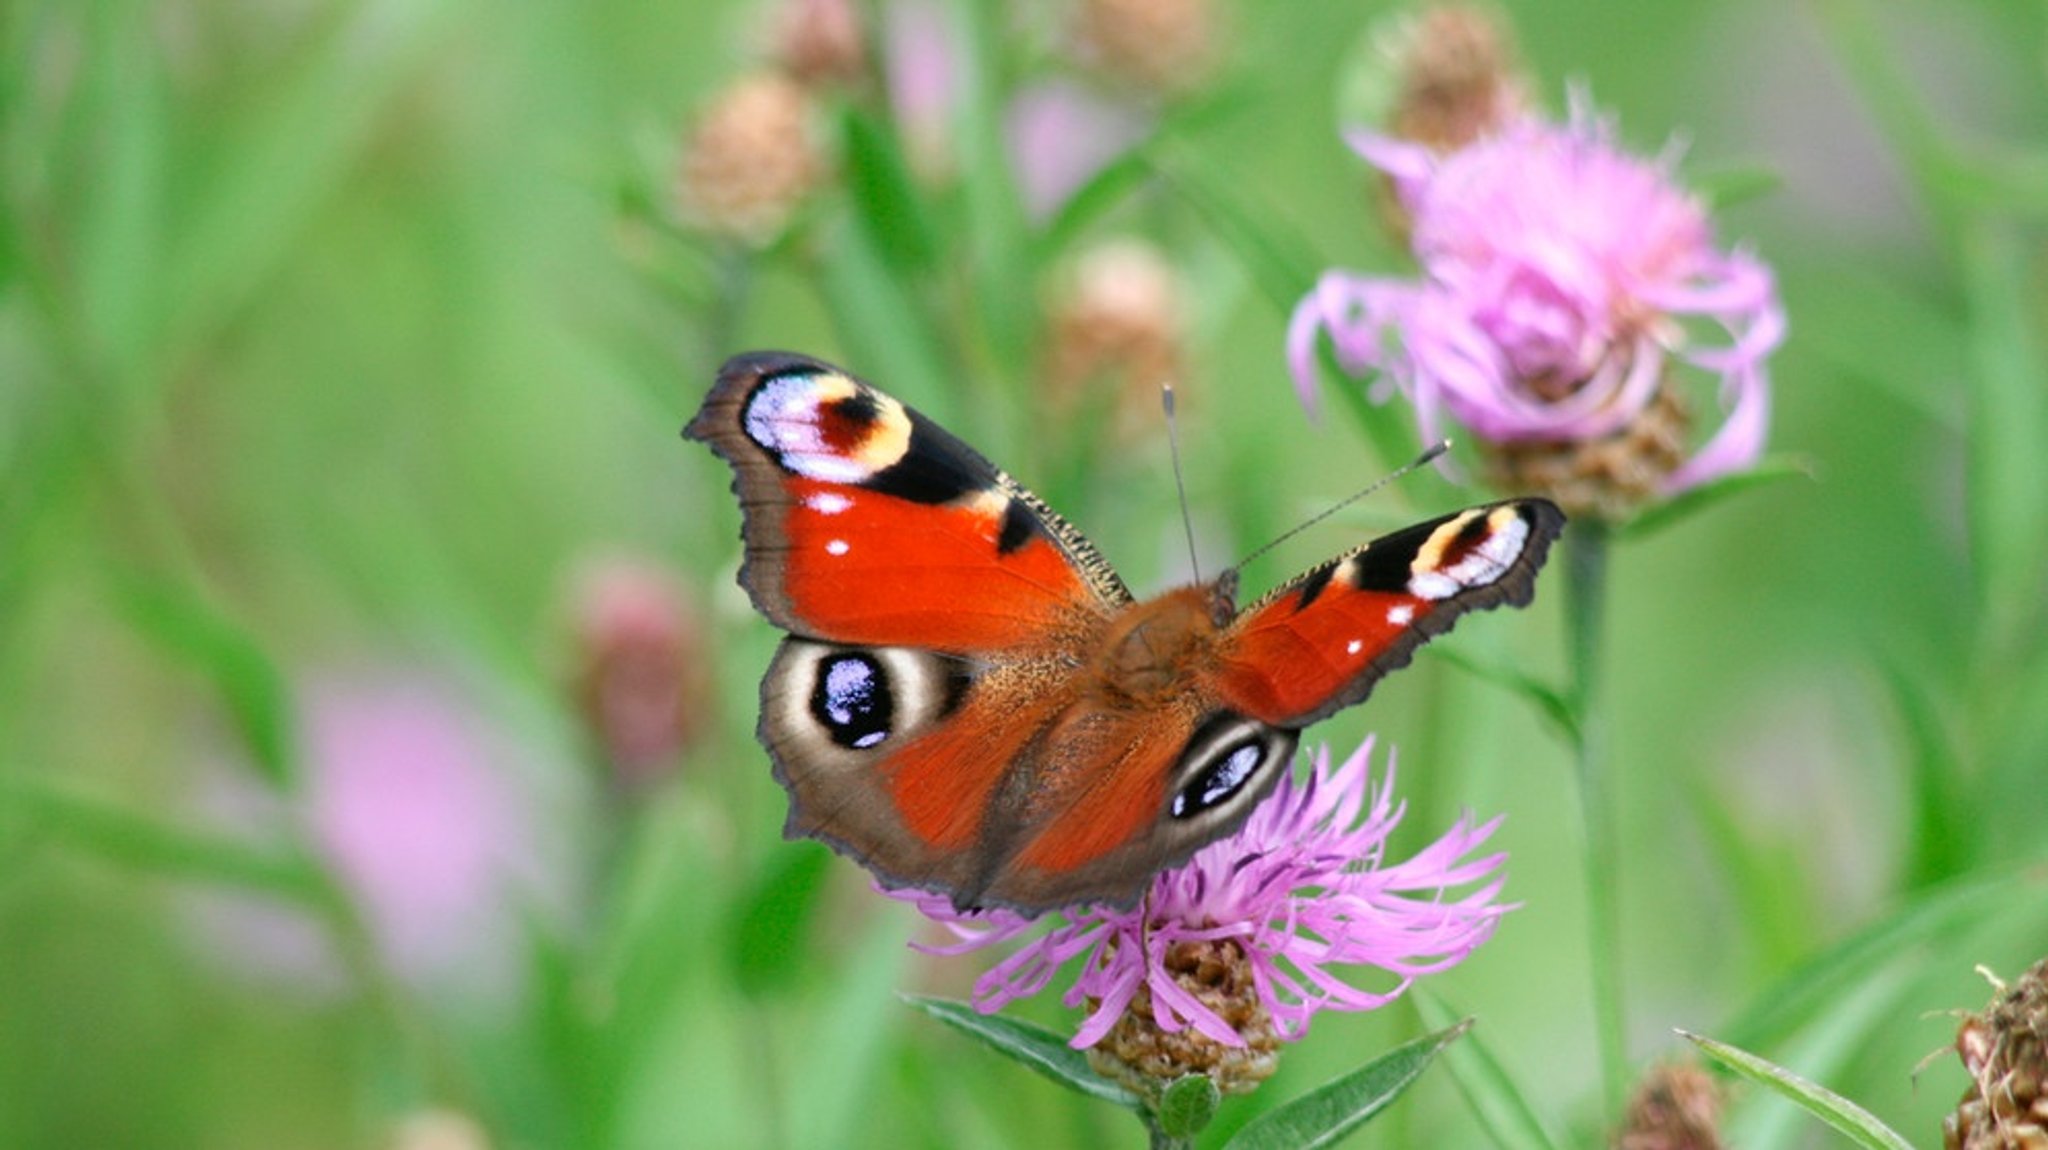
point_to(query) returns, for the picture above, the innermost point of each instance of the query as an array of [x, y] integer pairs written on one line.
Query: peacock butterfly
[[970, 701]]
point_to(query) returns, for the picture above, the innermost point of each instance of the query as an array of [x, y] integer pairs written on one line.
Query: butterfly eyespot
[[853, 700], [1219, 780], [1228, 758]]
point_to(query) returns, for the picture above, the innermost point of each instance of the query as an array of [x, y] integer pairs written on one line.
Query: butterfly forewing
[[867, 523], [1319, 643]]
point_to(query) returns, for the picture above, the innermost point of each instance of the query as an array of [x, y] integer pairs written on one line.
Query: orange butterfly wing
[[1320, 643], [867, 523]]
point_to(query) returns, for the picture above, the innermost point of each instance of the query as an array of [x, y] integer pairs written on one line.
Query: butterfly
[[970, 701]]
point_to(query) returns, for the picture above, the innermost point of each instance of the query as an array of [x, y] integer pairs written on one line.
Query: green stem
[[1158, 1139], [1585, 548]]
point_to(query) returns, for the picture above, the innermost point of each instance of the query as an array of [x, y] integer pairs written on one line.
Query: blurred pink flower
[[924, 62], [1303, 887], [422, 810], [411, 800], [1060, 134], [1560, 278]]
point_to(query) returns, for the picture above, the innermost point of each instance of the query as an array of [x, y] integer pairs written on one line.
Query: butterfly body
[[971, 701]]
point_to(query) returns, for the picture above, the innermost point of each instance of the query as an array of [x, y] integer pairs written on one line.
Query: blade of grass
[[1501, 1105], [100, 826], [228, 655], [1851, 1120], [1927, 916]]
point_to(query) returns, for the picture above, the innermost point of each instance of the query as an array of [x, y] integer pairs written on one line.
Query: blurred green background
[[343, 350]]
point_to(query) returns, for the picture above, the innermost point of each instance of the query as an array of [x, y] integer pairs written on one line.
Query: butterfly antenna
[[1179, 485], [1428, 454]]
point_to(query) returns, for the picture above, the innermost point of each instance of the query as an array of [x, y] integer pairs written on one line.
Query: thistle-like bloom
[[427, 815], [1240, 945], [1561, 282]]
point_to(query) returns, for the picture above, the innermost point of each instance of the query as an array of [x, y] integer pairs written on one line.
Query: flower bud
[[1675, 1107], [751, 159], [1119, 323], [1160, 47], [640, 675], [819, 43], [1456, 75]]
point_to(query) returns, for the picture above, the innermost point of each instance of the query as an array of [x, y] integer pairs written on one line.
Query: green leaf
[[1500, 1104], [2008, 422], [1129, 170], [1940, 808], [1727, 187], [82, 820], [846, 1041], [885, 197], [1028, 1043], [1340, 1106], [249, 683], [121, 235], [771, 926], [1002, 269], [281, 158], [1694, 500], [1279, 258], [1858, 1124], [887, 335], [1932, 914], [1775, 896], [1893, 97], [1187, 1106], [1548, 700]]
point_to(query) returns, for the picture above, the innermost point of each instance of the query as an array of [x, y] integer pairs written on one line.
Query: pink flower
[[1302, 888], [1560, 279], [430, 818], [410, 797], [925, 66], [1061, 135]]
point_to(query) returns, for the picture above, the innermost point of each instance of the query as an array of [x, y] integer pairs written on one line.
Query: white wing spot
[[1485, 564], [836, 547], [785, 416], [827, 502], [1401, 615], [1353, 647]]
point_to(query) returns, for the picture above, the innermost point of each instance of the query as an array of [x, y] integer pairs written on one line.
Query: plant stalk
[[1585, 551]]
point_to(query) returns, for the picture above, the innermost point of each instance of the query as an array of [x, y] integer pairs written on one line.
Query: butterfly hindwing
[[1006, 787], [1319, 643], [867, 523]]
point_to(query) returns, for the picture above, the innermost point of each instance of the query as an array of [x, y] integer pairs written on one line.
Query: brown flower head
[[640, 676], [1456, 76], [819, 43], [1675, 1107], [751, 158], [1118, 321], [2005, 1050], [1158, 47], [1141, 1056]]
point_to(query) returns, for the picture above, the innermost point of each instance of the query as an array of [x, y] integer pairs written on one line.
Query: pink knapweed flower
[[1302, 889], [1560, 280], [926, 78], [1060, 135], [430, 818]]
